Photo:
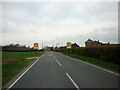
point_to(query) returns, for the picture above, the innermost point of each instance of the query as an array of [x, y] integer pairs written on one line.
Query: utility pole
[[56, 44], [42, 44], [58, 41]]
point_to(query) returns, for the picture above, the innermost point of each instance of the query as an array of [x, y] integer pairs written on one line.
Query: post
[[70, 51], [42, 44]]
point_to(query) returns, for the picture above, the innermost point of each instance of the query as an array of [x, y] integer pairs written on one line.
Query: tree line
[[16, 47]]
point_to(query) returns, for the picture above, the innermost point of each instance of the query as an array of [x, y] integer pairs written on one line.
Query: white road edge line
[[98, 67], [73, 81], [94, 66], [22, 74]]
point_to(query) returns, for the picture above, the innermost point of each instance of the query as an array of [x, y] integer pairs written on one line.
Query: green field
[[107, 65], [14, 62], [11, 56]]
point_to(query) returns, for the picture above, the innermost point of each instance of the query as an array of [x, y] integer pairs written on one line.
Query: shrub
[[108, 53]]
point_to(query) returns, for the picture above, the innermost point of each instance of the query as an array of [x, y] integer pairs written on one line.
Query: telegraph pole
[[42, 44]]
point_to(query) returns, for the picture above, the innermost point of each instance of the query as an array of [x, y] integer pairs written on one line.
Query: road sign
[[69, 44], [36, 46]]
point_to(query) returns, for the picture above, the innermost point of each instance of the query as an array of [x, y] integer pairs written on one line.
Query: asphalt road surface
[[54, 70]]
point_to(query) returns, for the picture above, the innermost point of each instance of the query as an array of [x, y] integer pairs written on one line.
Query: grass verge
[[11, 56], [107, 65], [11, 67]]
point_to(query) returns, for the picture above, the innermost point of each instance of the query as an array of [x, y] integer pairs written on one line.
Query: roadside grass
[[13, 67], [107, 65], [11, 56]]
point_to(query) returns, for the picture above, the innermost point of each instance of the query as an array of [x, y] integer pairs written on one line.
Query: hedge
[[109, 53]]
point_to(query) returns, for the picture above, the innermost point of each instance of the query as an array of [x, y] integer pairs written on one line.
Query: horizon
[[59, 45]]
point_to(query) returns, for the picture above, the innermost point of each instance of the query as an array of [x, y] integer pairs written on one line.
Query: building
[[48, 48], [57, 48], [91, 43], [75, 45]]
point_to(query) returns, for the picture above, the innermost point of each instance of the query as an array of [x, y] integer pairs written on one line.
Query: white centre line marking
[[73, 81], [57, 61], [22, 74], [54, 57]]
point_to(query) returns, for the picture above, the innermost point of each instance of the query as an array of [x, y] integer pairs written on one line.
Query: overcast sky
[[56, 23]]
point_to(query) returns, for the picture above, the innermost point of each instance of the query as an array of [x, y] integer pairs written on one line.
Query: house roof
[[75, 44], [89, 40]]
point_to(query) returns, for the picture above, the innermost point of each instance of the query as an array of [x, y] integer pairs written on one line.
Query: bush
[[108, 53]]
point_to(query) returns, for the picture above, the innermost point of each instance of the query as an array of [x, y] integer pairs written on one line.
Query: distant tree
[[11, 45], [15, 47]]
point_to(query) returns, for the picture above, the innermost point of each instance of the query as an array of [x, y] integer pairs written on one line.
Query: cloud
[[33, 22], [105, 35], [60, 1]]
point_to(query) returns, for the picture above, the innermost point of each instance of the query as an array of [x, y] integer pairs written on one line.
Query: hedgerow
[[108, 53]]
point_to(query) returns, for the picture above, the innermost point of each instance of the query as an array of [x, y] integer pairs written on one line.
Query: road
[[54, 70]]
